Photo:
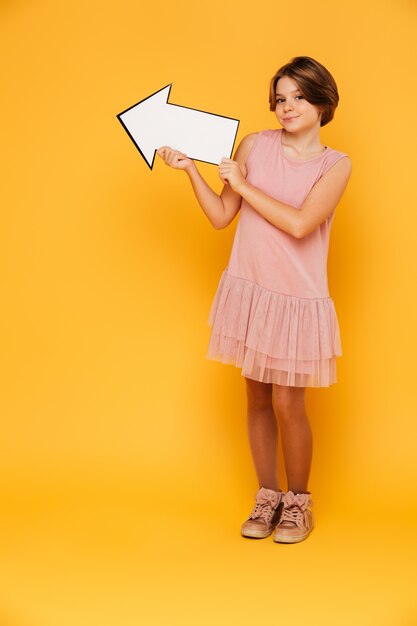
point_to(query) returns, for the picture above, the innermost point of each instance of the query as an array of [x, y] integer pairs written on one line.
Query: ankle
[[274, 488]]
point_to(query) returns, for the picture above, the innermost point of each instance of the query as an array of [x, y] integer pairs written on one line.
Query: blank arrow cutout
[[202, 136]]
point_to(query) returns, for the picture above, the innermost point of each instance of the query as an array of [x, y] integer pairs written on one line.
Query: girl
[[272, 314]]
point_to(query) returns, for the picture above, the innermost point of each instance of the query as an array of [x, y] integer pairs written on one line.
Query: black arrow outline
[[181, 107]]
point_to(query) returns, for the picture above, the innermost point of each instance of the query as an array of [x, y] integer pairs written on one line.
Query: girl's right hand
[[174, 158]]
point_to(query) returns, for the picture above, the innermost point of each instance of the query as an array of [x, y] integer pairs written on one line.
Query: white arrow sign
[[153, 122]]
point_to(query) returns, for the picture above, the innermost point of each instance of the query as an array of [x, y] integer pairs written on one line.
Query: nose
[[287, 106]]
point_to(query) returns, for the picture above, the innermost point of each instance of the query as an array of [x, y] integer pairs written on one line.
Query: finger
[[176, 156], [171, 155], [223, 178], [168, 156], [181, 154], [176, 159], [163, 151]]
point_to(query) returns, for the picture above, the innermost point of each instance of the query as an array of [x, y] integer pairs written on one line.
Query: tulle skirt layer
[[273, 337]]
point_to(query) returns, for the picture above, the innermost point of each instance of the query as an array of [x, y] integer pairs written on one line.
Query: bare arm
[[219, 209], [299, 222]]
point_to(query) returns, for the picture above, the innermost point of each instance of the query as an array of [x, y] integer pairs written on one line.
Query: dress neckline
[[326, 149]]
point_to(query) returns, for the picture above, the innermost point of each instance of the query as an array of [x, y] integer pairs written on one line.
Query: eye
[[278, 100]]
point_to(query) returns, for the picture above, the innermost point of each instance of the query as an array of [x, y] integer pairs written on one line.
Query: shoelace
[[295, 510], [296, 516], [265, 511], [264, 508]]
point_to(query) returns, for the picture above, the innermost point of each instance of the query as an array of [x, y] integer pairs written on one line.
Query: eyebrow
[[293, 91]]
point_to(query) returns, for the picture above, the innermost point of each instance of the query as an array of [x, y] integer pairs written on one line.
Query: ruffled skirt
[[274, 337]]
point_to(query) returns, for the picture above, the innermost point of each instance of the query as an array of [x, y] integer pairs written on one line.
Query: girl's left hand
[[230, 173]]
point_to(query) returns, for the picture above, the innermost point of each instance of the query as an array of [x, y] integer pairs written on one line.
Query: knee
[[287, 401], [259, 394]]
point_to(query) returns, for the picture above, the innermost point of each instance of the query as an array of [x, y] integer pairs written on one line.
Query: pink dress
[[272, 314]]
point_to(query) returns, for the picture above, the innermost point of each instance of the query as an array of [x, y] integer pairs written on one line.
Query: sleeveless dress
[[272, 314]]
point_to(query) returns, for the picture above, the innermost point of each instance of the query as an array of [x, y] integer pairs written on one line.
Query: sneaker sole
[[256, 534], [291, 539]]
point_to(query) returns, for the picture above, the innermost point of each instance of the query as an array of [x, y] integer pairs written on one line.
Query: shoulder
[[248, 142], [335, 156], [346, 160], [342, 163], [336, 174], [244, 148]]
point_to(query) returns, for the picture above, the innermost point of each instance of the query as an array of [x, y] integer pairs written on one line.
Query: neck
[[304, 141]]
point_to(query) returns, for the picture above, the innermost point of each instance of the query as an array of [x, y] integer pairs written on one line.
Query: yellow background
[[124, 461]]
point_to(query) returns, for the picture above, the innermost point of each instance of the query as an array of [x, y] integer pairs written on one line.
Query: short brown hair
[[315, 82]]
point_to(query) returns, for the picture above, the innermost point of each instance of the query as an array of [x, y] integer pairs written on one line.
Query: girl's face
[[293, 111]]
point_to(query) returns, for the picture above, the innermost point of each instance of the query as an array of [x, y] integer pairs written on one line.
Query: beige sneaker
[[265, 514], [297, 518]]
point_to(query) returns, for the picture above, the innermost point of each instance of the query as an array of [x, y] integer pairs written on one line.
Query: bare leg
[[263, 433], [288, 403]]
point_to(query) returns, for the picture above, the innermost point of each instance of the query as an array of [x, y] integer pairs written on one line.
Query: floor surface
[[108, 555]]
